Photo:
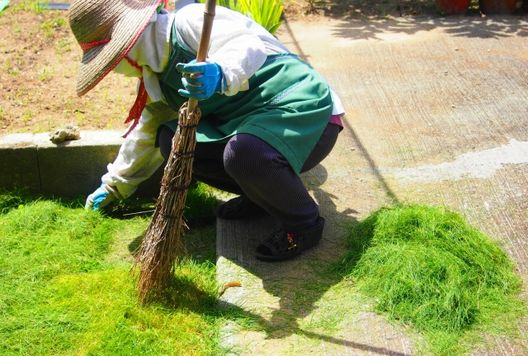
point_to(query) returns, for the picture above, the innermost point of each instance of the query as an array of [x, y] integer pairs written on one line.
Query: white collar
[[151, 52]]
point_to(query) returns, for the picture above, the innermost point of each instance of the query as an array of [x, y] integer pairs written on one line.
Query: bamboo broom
[[163, 241]]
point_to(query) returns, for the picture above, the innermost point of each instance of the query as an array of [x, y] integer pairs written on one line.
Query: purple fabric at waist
[[336, 120]]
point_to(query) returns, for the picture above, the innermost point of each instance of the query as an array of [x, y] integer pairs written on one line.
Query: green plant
[[27, 116], [80, 117], [63, 45], [267, 13], [27, 6], [427, 268], [50, 26], [2, 114], [231, 4], [45, 74], [10, 68]]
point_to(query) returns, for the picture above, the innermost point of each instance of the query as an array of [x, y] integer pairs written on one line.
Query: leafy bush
[[267, 13]]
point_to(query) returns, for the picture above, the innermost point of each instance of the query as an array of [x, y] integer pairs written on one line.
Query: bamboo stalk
[[163, 245]]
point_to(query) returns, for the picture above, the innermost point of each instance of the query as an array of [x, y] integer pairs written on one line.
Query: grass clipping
[[426, 267]]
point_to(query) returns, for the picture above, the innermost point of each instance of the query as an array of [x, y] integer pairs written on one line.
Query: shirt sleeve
[[138, 158], [238, 45]]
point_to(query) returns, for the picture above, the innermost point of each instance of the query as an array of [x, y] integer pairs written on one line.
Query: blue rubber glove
[[200, 79], [100, 198]]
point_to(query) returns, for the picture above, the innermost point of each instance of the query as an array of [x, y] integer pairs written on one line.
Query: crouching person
[[267, 116]]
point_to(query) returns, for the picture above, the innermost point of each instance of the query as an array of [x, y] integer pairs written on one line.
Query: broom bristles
[[163, 241]]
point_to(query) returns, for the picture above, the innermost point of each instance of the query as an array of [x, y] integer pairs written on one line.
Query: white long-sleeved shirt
[[239, 45]]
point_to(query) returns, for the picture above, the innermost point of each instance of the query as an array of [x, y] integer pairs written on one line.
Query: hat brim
[[97, 62]]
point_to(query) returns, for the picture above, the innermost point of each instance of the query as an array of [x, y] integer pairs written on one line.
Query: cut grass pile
[[63, 292], [427, 268]]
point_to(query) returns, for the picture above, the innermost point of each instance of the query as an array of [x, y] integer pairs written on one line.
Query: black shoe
[[282, 245], [239, 208]]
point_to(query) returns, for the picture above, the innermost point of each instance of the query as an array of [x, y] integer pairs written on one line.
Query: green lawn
[[67, 285], [67, 281]]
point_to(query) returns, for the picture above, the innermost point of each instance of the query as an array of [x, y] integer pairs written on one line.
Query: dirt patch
[[37, 79], [40, 60]]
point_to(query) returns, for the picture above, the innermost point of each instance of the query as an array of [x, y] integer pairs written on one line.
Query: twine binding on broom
[[163, 244]]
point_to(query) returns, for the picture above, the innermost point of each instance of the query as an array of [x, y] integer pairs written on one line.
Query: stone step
[[70, 169]]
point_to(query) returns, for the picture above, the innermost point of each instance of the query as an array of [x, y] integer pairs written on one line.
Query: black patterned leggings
[[248, 166]]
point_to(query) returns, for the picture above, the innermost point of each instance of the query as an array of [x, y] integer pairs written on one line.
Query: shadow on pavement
[[280, 296], [467, 26], [378, 10]]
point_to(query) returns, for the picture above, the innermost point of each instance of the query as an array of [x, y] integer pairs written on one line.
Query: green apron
[[287, 105]]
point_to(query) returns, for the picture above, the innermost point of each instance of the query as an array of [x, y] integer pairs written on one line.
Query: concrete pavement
[[437, 113]]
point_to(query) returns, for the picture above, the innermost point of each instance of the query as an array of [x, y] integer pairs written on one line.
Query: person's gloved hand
[[200, 79], [100, 198]]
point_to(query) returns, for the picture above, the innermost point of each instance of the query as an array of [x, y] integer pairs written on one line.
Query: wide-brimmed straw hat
[[106, 31]]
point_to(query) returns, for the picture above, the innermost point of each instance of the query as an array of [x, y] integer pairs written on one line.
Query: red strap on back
[[137, 108]]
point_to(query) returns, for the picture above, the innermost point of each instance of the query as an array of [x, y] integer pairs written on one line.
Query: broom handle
[[209, 14]]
